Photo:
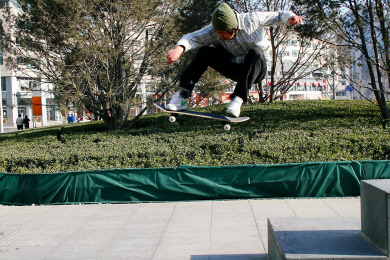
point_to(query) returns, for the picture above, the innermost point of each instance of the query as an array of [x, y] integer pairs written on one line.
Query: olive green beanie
[[224, 18]]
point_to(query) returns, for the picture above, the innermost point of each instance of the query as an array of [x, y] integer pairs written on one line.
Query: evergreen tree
[[95, 52]]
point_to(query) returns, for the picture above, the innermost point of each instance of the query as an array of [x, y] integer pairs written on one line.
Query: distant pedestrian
[[26, 122], [72, 119], [19, 122]]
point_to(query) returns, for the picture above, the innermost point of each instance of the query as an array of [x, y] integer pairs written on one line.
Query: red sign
[[37, 106]]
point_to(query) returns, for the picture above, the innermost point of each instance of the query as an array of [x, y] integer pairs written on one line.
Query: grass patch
[[282, 132]]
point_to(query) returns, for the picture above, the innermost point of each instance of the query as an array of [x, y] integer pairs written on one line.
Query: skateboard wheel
[[172, 119], [226, 127]]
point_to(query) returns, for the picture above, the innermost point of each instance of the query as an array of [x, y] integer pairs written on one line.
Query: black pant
[[253, 69]]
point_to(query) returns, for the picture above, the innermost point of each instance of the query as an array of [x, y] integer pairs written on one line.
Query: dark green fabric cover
[[317, 179]]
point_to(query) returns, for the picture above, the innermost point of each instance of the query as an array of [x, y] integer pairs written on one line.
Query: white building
[[25, 94], [314, 85]]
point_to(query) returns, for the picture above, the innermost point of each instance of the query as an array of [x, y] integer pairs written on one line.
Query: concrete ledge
[[317, 238], [375, 207]]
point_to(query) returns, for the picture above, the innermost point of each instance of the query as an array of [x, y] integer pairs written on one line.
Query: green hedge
[[278, 133]]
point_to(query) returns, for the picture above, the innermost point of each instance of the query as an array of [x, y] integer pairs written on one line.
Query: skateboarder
[[231, 45]]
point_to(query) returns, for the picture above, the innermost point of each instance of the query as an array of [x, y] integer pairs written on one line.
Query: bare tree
[[309, 58], [363, 26]]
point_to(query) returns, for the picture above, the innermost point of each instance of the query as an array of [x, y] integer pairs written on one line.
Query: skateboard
[[224, 119]]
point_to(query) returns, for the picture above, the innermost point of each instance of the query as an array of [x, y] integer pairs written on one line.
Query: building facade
[[25, 93]]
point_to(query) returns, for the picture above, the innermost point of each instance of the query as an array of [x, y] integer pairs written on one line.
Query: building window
[[4, 3], [306, 44], [28, 62], [317, 74], [287, 64], [295, 53], [3, 84], [29, 84], [293, 43]]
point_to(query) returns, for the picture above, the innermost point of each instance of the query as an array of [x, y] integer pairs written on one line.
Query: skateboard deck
[[225, 119]]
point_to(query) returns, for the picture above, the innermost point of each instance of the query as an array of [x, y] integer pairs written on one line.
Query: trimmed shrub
[[282, 132]]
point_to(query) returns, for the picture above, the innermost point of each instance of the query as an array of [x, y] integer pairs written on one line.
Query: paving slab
[[196, 230]]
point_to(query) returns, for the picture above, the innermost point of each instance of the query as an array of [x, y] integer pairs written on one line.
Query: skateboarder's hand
[[174, 54], [296, 20]]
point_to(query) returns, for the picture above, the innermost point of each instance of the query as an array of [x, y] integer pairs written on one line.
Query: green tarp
[[317, 179]]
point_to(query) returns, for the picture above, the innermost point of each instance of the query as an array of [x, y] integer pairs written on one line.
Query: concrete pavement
[[197, 230], [9, 127]]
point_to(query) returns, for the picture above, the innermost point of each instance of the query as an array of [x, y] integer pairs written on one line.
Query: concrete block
[[375, 204], [317, 238]]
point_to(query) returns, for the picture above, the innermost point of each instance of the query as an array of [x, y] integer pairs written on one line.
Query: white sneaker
[[177, 103], [234, 107]]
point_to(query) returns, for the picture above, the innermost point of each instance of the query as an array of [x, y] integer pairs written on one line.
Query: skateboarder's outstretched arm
[[174, 54]]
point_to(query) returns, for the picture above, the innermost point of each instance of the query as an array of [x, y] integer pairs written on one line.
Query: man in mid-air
[[231, 45]]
